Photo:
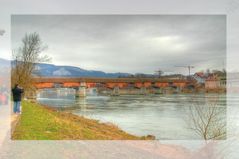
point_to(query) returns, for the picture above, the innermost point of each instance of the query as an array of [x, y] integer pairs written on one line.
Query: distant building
[[200, 77], [214, 82]]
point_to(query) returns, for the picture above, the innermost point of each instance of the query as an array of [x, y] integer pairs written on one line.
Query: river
[[164, 116]]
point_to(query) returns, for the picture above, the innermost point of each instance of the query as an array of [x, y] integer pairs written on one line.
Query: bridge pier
[[81, 91], [178, 89], [115, 91], [158, 90], [143, 91]]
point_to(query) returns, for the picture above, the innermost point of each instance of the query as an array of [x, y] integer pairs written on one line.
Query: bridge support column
[[81, 91], [158, 91], [178, 89], [143, 91], [115, 91]]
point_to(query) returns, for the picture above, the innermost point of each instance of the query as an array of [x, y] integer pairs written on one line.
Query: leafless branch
[[207, 120], [25, 59]]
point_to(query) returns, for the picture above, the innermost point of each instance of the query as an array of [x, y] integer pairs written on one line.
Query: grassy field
[[42, 123]]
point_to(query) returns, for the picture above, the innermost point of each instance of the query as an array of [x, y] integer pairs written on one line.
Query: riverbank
[[42, 123]]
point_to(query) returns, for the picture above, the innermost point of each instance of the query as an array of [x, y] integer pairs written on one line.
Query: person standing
[[17, 96]]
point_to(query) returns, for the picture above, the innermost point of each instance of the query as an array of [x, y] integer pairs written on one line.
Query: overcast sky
[[122, 43]]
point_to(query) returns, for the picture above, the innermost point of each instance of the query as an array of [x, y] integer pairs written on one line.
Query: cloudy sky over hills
[[117, 43]]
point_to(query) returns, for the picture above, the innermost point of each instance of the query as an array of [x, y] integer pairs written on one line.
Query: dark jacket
[[17, 94]]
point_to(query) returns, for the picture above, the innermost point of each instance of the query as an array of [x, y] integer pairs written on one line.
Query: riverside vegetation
[[43, 123]]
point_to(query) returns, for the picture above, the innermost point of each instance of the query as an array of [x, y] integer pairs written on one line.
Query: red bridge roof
[[105, 80]]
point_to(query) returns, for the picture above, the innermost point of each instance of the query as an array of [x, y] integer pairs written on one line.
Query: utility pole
[[159, 73], [189, 67]]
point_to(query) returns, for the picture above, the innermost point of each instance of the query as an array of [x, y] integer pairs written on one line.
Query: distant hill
[[4, 63], [51, 70]]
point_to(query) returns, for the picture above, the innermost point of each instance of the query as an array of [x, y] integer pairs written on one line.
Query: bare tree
[[25, 59], [207, 120]]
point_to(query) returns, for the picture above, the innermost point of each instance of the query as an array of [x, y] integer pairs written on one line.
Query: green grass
[[42, 123]]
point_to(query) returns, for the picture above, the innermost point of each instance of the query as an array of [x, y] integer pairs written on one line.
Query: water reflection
[[159, 115]]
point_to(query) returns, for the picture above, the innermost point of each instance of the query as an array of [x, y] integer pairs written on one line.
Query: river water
[[164, 116]]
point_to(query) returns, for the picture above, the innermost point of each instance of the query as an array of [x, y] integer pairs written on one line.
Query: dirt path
[[14, 120], [4, 122]]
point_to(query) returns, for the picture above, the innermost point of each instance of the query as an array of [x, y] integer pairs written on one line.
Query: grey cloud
[[129, 43], [2, 32]]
